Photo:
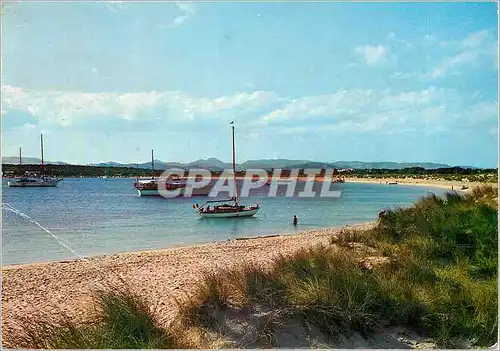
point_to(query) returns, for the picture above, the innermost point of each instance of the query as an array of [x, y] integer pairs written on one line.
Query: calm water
[[99, 216]]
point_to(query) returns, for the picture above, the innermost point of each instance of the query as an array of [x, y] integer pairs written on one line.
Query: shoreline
[[49, 289], [430, 183], [173, 248]]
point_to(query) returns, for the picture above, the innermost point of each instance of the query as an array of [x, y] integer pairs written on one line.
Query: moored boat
[[229, 208], [226, 209], [33, 179], [150, 186]]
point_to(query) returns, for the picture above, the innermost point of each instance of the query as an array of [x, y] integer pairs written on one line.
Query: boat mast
[[20, 162], [41, 147], [234, 169], [153, 162]]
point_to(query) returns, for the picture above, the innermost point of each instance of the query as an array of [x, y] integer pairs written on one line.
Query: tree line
[[75, 171]]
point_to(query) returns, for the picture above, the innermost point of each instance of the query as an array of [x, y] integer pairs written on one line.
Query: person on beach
[[295, 220]]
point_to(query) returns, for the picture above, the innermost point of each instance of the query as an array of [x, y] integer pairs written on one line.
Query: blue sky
[[321, 81]]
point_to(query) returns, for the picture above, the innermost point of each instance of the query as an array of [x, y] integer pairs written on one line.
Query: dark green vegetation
[[455, 173], [74, 171], [431, 268], [442, 278]]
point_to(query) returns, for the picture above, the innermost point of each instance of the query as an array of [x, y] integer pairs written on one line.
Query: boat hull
[[246, 213], [155, 192], [31, 185]]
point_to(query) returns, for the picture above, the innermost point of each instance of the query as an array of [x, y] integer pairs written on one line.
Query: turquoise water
[[99, 216]]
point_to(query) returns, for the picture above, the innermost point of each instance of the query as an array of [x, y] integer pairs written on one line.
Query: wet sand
[[47, 290]]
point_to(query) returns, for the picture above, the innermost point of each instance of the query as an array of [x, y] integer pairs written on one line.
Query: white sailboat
[[227, 208], [34, 179]]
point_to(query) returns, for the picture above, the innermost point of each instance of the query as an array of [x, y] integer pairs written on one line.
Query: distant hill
[[387, 165], [216, 164], [29, 161]]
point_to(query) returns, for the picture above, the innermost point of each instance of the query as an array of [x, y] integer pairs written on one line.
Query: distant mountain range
[[29, 161], [216, 164]]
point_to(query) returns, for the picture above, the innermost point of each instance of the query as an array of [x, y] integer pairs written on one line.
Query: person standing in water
[[295, 220]]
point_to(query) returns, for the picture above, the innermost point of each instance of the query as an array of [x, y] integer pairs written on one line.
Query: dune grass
[[443, 273], [431, 267], [440, 278], [122, 320]]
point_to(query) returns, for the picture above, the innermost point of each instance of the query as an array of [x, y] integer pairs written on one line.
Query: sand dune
[[47, 289]]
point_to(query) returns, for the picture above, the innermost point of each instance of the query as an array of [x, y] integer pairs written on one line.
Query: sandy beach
[[429, 183], [47, 289]]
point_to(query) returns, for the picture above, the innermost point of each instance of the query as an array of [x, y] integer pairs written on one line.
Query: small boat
[[228, 208], [464, 187], [149, 187], [33, 179], [105, 176], [392, 183]]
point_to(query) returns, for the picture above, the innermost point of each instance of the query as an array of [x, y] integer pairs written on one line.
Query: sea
[[84, 217]]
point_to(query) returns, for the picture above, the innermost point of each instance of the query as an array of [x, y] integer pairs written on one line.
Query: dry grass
[[121, 320]]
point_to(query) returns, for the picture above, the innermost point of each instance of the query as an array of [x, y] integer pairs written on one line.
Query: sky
[[402, 82]]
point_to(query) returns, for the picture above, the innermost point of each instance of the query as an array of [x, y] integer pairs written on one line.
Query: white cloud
[[474, 50], [343, 102], [373, 55], [427, 111], [391, 37], [188, 10], [475, 39], [354, 104], [186, 6], [413, 98], [263, 113], [450, 64], [69, 108]]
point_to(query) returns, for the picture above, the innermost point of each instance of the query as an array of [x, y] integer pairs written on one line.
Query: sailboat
[[34, 179], [226, 208], [149, 187]]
